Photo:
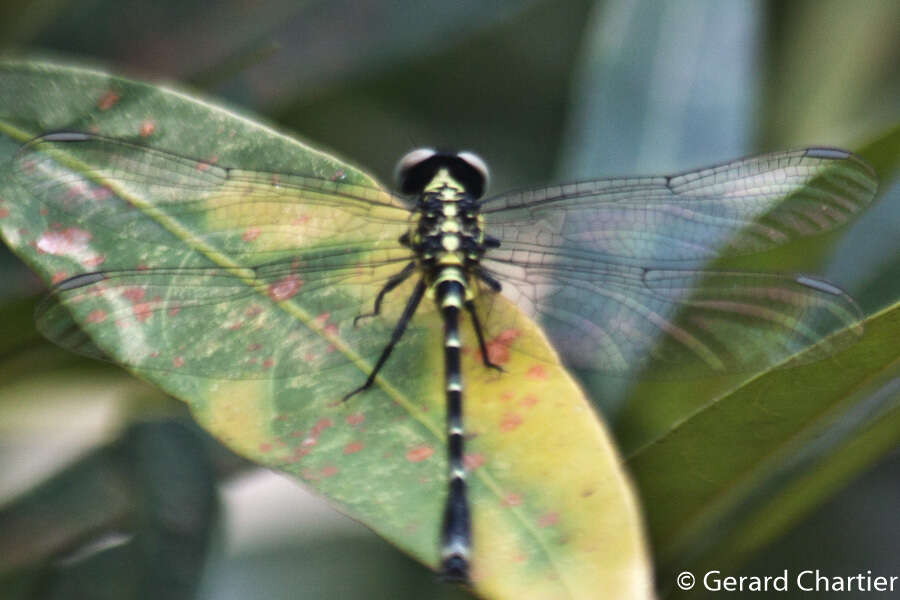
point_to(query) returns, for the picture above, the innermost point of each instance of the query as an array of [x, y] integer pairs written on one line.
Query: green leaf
[[553, 512], [743, 467]]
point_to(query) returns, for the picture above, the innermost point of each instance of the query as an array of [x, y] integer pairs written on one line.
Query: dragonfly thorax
[[447, 234]]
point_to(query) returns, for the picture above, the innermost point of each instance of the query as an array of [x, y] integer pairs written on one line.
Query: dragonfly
[[615, 270]]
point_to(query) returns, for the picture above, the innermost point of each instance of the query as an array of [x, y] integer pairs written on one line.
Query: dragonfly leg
[[393, 282], [479, 333], [492, 283], [405, 318]]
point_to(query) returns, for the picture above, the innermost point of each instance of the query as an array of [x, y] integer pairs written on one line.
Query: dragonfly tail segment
[[456, 530]]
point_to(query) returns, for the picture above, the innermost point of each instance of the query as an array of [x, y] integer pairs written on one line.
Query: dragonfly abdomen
[[456, 535]]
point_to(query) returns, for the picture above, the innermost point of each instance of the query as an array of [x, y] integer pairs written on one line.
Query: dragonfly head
[[417, 168]]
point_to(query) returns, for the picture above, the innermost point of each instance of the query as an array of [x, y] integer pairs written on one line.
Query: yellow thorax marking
[[449, 188]]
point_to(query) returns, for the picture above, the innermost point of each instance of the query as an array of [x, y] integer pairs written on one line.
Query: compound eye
[[410, 161], [476, 162]]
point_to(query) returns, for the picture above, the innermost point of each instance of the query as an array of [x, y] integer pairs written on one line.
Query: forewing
[[276, 321], [250, 216], [739, 207], [675, 323]]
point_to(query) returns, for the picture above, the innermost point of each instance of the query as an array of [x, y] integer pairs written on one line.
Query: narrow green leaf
[[742, 467]]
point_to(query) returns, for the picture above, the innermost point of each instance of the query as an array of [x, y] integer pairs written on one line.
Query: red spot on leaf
[[512, 500], [4, 212], [178, 362], [329, 471], [108, 100], [322, 425], [548, 519], [94, 261], [300, 220], [419, 453], [96, 316], [134, 294], [498, 353], [65, 241], [142, 311], [506, 396], [508, 336], [59, 276], [285, 288], [204, 165], [298, 454], [147, 128], [529, 400], [510, 422], [498, 347], [321, 319], [251, 234], [353, 447], [265, 447], [537, 372], [473, 461], [254, 347], [268, 363], [174, 310], [101, 193], [331, 329], [355, 419]]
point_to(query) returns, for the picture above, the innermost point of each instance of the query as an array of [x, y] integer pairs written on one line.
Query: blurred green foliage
[[545, 91]]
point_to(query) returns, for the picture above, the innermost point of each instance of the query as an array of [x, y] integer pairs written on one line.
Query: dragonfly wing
[[676, 323], [274, 321], [739, 207], [112, 185]]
